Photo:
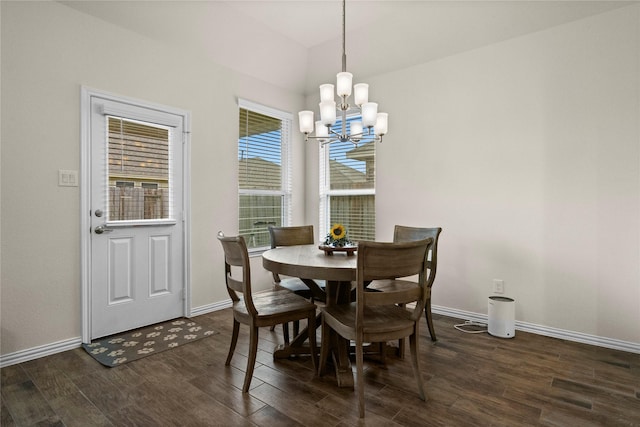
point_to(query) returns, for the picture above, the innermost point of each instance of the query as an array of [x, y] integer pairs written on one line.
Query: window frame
[[285, 191]]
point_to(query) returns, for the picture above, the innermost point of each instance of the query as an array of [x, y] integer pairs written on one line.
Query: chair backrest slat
[[290, 236], [236, 285], [402, 233], [377, 260], [403, 296], [237, 255]]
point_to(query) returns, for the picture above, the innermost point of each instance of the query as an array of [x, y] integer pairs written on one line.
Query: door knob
[[102, 229]]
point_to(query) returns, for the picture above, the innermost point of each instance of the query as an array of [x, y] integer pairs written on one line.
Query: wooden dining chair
[[291, 236], [263, 309], [403, 233], [376, 316], [313, 290]]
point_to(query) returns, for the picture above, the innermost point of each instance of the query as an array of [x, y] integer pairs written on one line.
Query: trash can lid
[[501, 299]]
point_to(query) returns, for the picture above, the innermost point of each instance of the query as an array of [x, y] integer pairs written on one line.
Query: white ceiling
[[297, 44]]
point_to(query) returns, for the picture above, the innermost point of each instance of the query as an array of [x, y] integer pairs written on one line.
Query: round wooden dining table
[[309, 263]]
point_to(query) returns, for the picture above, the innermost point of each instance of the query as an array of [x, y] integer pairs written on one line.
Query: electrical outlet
[[498, 286]]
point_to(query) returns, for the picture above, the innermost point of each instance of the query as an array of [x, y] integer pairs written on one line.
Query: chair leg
[[311, 327], [285, 332], [272, 328], [427, 315], [413, 343], [325, 344], [234, 340], [296, 328], [251, 361], [400, 352], [382, 349], [360, 377]]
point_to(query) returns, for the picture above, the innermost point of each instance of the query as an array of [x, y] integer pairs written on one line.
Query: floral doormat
[[119, 349]]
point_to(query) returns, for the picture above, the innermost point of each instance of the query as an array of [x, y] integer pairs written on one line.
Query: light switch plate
[[67, 178]]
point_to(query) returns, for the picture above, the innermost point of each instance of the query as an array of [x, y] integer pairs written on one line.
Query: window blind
[[259, 151], [263, 172], [347, 181]]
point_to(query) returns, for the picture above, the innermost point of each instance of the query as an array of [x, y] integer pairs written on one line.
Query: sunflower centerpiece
[[337, 237], [338, 241]]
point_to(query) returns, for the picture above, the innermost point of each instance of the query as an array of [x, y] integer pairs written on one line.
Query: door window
[[138, 170]]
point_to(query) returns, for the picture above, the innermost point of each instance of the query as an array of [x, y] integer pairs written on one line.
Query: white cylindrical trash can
[[502, 313]]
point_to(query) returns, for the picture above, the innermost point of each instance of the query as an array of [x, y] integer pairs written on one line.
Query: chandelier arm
[[317, 137], [323, 139], [331, 141], [331, 131]]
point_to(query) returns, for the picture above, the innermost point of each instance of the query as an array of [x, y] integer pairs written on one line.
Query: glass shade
[[306, 121], [369, 114], [356, 131], [326, 92], [322, 132], [361, 93], [328, 112], [381, 125], [344, 83]]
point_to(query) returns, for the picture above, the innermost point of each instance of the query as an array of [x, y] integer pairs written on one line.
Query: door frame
[[86, 93]]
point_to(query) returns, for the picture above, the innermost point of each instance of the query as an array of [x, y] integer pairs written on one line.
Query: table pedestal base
[[336, 292], [342, 364]]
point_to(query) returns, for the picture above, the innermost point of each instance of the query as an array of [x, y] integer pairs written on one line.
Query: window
[[263, 172], [138, 170], [347, 186]]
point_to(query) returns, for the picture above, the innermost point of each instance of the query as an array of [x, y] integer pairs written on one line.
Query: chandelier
[[373, 124]]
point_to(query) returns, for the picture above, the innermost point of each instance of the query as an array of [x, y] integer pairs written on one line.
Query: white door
[[137, 210]]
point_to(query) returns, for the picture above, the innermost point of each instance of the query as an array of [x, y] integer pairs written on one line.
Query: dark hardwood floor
[[470, 380]]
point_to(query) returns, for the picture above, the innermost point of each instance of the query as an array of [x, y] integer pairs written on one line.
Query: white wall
[[48, 52], [527, 154]]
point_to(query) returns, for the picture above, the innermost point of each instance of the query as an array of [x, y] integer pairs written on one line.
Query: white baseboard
[[545, 330], [70, 344], [38, 352], [210, 308]]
